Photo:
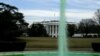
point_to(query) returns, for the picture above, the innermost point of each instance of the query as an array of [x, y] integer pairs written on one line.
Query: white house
[[52, 27]]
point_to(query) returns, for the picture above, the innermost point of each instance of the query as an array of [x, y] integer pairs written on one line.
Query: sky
[[46, 10]]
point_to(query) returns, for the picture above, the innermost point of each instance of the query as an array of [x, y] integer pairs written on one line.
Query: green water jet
[[62, 40]]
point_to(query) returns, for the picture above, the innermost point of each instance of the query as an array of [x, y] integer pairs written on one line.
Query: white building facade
[[52, 27]]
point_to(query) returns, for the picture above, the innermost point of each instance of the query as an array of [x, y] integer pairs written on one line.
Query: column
[[53, 30], [47, 29], [56, 30], [50, 30]]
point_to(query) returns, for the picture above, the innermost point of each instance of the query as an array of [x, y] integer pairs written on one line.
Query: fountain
[[62, 45], [62, 42]]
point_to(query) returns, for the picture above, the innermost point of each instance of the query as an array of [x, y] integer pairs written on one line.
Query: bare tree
[[97, 16], [86, 26]]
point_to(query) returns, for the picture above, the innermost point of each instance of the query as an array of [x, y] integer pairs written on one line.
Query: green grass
[[48, 42], [40, 42]]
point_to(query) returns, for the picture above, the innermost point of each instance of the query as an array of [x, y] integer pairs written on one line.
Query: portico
[[51, 28]]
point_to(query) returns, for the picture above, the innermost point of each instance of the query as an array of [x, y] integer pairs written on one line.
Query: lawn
[[51, 43]]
